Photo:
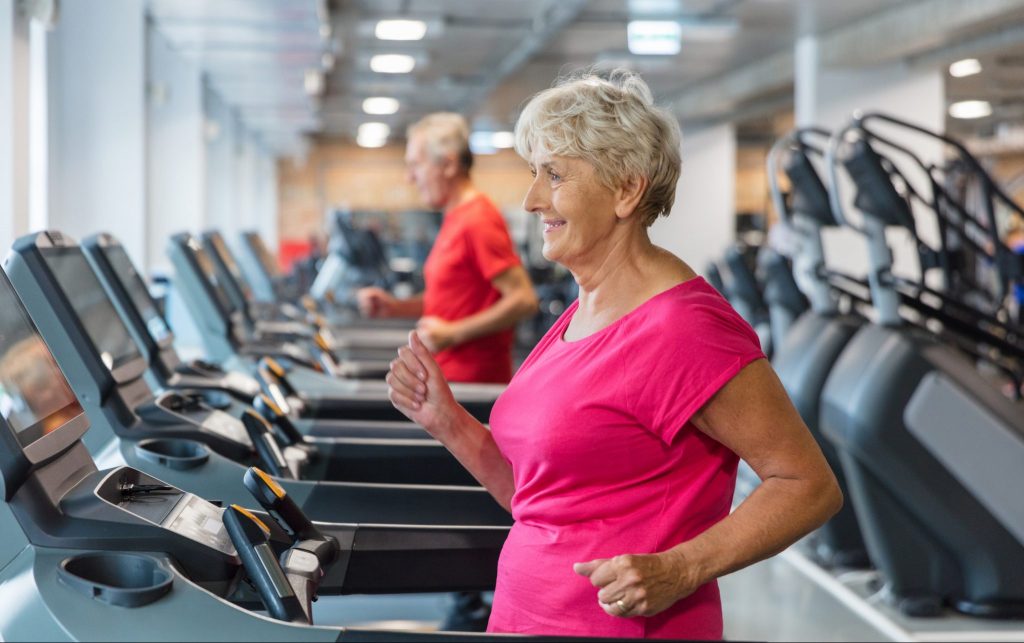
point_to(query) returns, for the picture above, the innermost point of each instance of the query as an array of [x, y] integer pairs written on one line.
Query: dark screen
[[35, 399], [138, 292], [83, 289], [210, 273], [256, 243], [225, 255]]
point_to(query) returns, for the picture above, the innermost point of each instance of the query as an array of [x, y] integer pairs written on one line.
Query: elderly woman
[[616, 444]]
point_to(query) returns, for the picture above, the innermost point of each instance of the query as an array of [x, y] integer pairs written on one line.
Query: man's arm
[[518, 301], [377, 302]]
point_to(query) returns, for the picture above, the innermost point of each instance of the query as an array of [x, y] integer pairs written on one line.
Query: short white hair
[[445, 133], [612, 123]]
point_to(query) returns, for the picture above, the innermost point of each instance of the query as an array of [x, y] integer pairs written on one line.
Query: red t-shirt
[[472, 248], [606, 461]]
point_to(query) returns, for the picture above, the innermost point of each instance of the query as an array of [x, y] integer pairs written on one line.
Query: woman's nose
[[535, 200]]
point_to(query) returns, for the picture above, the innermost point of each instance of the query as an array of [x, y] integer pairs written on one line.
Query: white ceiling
[[480, 57]]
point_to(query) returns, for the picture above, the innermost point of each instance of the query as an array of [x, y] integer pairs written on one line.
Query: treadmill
[[346, 343], [294, 384], [98, 555], [184, 438], [138, 311], [931, 450], [270, 286], [90, 554], [223, 326]]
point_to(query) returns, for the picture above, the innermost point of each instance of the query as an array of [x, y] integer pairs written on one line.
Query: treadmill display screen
[[256, 243], [225, 255], [94, 308], [210, 273], [35, 398], [139, 294]]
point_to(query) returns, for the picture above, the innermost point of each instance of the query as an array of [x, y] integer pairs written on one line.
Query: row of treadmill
[[151, 498], [911, 385]]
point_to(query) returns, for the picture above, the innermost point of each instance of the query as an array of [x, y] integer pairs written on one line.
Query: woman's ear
[[629, 195]]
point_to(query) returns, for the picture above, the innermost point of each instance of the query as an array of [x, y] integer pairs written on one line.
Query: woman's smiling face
[[576, 210]]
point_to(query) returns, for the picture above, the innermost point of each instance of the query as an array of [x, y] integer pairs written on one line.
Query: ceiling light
[[400, 30], [654, 37], [380, 105], [392, 64], [490, 142], [313, 81], [374, 130], [370, 141], [965, 67], [970, 109], [503, 140]]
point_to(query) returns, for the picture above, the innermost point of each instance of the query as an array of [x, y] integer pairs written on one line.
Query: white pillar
[[219, 137], [98, 122], [176, 153], [703, 221], [807, 62], [14, 124]]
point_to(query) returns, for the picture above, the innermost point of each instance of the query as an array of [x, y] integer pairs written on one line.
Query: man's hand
[[639, 584], [436, 333], [375, 302]]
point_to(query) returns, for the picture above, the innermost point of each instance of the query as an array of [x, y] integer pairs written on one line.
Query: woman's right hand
[[419, 390]]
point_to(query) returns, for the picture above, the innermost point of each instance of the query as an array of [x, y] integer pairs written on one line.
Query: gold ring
[[622, 606]]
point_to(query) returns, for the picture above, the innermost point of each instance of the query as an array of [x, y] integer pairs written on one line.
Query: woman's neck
[[623, 274]]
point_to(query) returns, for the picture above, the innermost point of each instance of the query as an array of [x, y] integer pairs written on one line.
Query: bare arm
[[418, 389], [517, 302], [752, 416], [377, 302]]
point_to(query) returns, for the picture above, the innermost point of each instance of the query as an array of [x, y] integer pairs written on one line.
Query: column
[[702, 223]]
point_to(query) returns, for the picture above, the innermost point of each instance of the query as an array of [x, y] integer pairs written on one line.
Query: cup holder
[[125, 580], [174, 453], [216, 399]]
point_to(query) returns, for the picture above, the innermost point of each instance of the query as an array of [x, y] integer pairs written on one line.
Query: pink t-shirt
[[606, 461]]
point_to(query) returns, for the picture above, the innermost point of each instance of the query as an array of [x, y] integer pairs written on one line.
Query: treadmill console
[[37, 405], [191, 409], [139, 293], [154, 501]]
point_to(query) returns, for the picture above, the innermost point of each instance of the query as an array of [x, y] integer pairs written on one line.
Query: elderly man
[[476, 288]]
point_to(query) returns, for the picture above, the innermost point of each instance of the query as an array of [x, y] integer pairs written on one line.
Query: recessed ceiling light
[[400, 30], [392, 63], [965, 67], [967, 109], [503, 140], [374, 130], [490, 142], [654, 37], [380, 105], [313, 82], [370, 141]]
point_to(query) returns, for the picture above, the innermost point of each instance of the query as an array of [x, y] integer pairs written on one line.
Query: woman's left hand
[[639, 584]]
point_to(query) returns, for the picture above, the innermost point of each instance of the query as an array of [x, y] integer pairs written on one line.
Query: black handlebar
[[267, 449], [250, 537]]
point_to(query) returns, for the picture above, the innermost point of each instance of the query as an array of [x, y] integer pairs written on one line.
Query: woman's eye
[[554, 177]]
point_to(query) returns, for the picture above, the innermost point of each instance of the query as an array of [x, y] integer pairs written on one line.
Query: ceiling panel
[[257, 52]]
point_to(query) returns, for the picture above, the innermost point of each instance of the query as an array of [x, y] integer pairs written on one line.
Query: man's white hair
[[445, 133]]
